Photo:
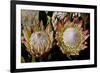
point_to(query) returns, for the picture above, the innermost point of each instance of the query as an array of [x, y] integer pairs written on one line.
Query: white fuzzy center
[[39, 40], [70, 37]]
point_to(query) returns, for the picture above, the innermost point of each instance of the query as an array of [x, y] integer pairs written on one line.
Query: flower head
[[71, 38], [37, 39]]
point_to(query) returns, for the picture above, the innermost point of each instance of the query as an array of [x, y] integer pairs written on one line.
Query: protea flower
[[70, 36], [37, 39], [57, 16]]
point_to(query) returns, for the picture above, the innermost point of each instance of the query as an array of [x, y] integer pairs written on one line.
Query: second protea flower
[[71, 38]]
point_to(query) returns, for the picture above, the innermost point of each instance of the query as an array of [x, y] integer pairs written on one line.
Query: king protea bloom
[[70, 36], [37, 39]]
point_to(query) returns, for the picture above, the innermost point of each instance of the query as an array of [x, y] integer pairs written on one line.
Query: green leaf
[[22, 60], [33, 58]]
